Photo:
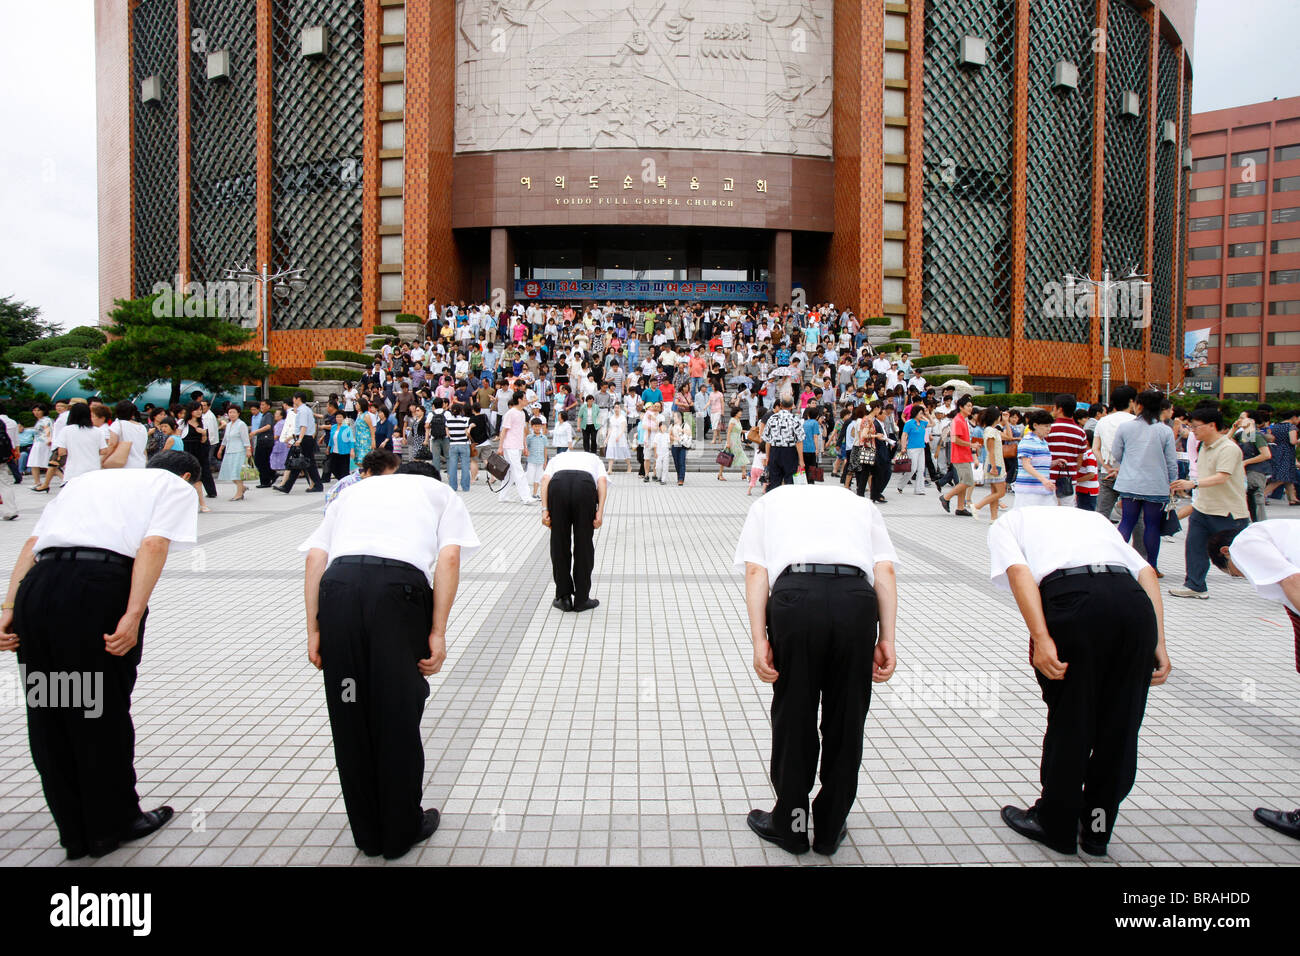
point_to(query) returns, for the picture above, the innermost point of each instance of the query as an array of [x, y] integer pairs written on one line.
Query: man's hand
[[546, 519], [884, 661], [125, 637], [1045, 659], [8, 639], [599, 519], [313, 646], [1181, 484], [764, 666], [1163, 667], [437, 654]]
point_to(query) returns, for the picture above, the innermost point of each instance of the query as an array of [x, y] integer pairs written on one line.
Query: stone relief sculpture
[[752, 75]]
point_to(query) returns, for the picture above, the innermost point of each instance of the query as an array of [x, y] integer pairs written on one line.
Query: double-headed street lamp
[[287, 280], [1103, 287]]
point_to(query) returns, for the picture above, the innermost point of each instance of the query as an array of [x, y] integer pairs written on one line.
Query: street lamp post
[[1102, 288], [293, 279]]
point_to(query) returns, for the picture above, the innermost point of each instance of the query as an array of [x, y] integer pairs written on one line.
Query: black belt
[[371, 559], [1084, 569], [826, 570], [84, 554]]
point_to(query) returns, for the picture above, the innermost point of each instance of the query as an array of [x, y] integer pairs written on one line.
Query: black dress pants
[[1105, 629], [205, 472], [883, 471], [571, 499], [337, 466], [374, 629], [823, 635], [308, 446], [782, 464], [85, 754], [262, 458], [589, 438]]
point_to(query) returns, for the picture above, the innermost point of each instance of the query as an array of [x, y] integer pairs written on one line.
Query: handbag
[[297, 460], [863, 456], [247, 472], [725, 458], [1064, 486], [902, 464], [498, 467], [815, 473], [1169, 523], [117, 459]]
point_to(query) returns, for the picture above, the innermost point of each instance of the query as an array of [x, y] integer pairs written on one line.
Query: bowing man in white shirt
[[75, 613], [1267, 554], [822, 601], [377, 626], [1097, 641], [573, 507]]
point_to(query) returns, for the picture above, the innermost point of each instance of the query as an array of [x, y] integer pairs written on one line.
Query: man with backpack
[[438, 443]]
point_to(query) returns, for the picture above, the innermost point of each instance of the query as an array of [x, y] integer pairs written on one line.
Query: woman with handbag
[[1148, 465], [236, 452], [734, 450], [862, 443]]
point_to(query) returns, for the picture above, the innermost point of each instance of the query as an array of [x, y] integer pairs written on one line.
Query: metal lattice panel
[[223, 138], [967, 153], [1180, 286], [1168, 159], [317, 106], [153, 141], [1058, 213], [1123, 245]]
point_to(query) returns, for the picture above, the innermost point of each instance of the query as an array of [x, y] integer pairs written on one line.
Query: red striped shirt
[[1067, 441]]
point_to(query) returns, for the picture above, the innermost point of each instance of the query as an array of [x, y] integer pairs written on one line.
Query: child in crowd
[[536, 442], [1087, 486], [756, 469]]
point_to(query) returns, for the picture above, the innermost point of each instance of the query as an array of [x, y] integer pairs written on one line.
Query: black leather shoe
[[760, 821], [428, 827], [828, 849], [945, 504], [1027, 824], [100, 848], [319, 489], [563, 604], [587, 605], [75, 852], [146, 823], [1092, 847], [1280, 820], [281, 488]]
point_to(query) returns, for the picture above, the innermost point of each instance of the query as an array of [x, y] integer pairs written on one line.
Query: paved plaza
[[638, 733]]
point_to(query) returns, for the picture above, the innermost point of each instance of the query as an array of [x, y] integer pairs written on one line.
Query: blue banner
[[639, 289]]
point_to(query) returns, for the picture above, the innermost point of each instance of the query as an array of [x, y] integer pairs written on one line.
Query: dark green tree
[[21, 323], [172, 343]]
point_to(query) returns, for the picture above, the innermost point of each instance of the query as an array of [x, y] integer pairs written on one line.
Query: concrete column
[[779, 270], [501, 266]]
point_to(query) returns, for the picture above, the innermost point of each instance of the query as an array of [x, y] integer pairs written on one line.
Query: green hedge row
[[386, 330], [344, 355], [900, 334], [1005, 400], [336, 374], [879, 320], [283, 393], [932, 360], [406, 318]]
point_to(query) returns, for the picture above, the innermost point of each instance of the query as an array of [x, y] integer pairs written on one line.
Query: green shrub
[[932, 360], [879, 320], [1005, 400], [86, 335], [902, 348], [67, 356], [343, 355], [405, 318], [336, 374], [388, 330], [900, 334], [282, 393]]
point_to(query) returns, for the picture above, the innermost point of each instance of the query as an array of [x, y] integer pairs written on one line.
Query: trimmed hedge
[[406, 318], [900, 334], [343, 355], [932, 360], [386, 330], [879, 320], [336, 374], [1005, 400], [283, 393], [949, 378]]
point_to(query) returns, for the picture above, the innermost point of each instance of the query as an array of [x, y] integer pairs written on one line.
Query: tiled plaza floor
[[638, 733]]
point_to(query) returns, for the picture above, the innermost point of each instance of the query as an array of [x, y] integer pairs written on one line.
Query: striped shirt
[[457, 429], [1039, 455], [1088, 483], [1067, 441]]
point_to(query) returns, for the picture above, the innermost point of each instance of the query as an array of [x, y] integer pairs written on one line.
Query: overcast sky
[[1245, 53]]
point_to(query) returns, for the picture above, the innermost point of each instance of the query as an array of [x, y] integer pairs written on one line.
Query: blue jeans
[[1199, 529], [458, 463], [696, 382]]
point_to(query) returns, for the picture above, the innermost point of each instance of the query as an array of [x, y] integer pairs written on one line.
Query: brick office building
[[1243, 273], [944, 162]]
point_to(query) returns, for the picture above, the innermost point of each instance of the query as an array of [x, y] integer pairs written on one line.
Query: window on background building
[[1202, 282], [1283, 153], [1195, 312], [1248, 369], [1247, 189], [1284, 277], [1284, 307], [1213, 340], [1283, 246], [1241, 340], [1206, 194], [1238, 249], [1239, 219], [1289, 214], [1238, 279], [1238, 309], [1286, 184], [1257, 156], [1204, 223], [1205, 252], [1284, 338], [1206, 164], [1283, 368], [991, 386]]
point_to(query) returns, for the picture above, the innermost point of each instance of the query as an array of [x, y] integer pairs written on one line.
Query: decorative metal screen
[[223, 138], [316, 162], [1058, 203], [967, 154], [1168, 159], [1180, 285], [1124, 188], [153, 141]]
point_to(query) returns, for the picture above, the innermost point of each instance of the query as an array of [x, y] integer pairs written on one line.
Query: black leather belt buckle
[[827, 570]]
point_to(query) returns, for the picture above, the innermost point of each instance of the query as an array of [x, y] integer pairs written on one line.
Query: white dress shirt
[[1268, 553], [83, 446], [212, 427], [583, 461], [137, 435], [117, 508], [1104, 434], [1049, 539], [401, 517], [811, 524]]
